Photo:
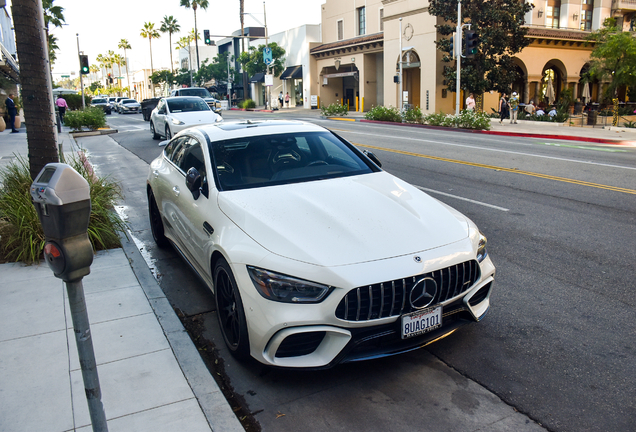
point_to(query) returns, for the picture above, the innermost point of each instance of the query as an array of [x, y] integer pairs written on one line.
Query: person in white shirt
[[552, 112], [470, 102]]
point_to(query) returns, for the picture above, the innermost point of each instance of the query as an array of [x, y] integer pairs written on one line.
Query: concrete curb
[[211, 399], [93, 133]]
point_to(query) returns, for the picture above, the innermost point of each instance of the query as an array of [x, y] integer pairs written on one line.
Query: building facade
[[359, 59]]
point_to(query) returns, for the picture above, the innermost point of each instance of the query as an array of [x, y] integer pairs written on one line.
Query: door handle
[[208, 228], [176, 190]]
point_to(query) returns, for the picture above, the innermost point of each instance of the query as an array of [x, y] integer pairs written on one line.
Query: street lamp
[[269, 90]]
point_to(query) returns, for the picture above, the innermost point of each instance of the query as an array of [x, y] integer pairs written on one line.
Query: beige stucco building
[[358, 60]]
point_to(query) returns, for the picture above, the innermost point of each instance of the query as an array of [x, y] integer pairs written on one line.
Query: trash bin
[[147, 105], [591, 117]]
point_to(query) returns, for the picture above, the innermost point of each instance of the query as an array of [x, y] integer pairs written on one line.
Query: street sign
[[66, 76], [267, 56], [269, 80]]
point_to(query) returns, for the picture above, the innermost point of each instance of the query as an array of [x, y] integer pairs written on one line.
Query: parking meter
[[62, 200]]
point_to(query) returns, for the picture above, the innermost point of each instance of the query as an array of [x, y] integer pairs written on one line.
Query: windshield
[[194, 92], [128, 101], [266, 160], [99, 101], [186, 105]]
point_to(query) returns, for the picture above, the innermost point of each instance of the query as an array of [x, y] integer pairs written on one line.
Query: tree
[[119, 60], [125, 45], [149, 32], [195, 4], [169, 25], [613, 58], [500, 27], [35, 76], [52, 15], [252, 60], [216, 70]]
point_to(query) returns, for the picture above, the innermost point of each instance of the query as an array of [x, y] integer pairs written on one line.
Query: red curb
[[518, 134]]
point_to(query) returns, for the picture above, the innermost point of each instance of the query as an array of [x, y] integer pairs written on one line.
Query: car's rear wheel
[[154, 133], [168, 133], [156, 224], [229, 308]]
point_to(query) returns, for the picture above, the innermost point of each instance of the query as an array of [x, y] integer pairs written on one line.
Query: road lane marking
[[584, 147], [498, 150], [510, 170], [462, 198]]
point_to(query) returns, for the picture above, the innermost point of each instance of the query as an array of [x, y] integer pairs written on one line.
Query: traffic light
[[84, 64], [452, 46], [472, 40], [206, 37]]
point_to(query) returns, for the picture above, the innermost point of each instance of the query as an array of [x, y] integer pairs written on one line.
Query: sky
[[101, 25]]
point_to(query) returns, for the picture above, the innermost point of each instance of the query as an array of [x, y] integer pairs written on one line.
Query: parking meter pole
[[82, 331]]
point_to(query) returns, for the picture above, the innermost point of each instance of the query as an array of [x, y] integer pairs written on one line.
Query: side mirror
[[373, 157], [193, 182]]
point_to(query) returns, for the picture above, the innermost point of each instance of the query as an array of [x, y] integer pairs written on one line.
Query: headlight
[[286, 289], [176, 121], [482, 253]]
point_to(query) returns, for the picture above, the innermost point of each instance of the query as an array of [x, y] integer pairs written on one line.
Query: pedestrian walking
[[280, 99], [61, 104], [470, 102], [503, 108], [12, 111], [514, 107], [287, 99]]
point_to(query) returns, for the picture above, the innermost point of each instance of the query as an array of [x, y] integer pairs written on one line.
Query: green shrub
[[22, 238], [247, 104], [629, 124], [74, 101], [467, 119], [414, 115], [381, 113], [436, 119], [91, 118], [335, 109]]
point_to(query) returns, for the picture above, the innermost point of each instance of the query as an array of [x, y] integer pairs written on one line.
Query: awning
[[259, 77], [341, 74], [292, 72], [8, 65]]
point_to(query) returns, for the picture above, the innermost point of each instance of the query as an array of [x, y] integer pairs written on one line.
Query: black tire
[[168, 133], [156, 224], [154, 133], [229, 308]]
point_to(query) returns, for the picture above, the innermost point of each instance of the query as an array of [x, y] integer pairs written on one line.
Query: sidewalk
[[151, 375]]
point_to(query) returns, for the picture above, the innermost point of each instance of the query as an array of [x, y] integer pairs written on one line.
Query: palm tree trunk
[[152, 69], [196, 37], [35, 77], [127, 74], [171, 63]]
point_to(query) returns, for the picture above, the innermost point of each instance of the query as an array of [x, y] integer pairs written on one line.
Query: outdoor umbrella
[[586, 92], [549, 92]]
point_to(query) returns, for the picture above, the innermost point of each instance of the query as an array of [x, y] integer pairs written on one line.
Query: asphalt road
[[559, 342]]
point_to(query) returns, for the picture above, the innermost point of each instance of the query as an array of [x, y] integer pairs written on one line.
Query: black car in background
[[102, 103]]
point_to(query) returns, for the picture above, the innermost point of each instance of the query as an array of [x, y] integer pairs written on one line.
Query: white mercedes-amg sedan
[[315, 255]]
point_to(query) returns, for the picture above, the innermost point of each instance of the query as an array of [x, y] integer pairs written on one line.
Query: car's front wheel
[[168, 133], [154, 133], [156, 224], [229, 308]]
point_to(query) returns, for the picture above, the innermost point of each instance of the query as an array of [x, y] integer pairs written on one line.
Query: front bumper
[[312, 336]]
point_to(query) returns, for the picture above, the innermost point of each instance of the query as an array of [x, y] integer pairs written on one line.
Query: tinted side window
[[192, 156], [173, 148]]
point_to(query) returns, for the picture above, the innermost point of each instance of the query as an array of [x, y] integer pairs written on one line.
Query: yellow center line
[[510, 170]]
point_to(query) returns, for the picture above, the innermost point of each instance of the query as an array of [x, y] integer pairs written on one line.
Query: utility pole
[[400, 74], [79, 53], [269, 88], [458, 46]]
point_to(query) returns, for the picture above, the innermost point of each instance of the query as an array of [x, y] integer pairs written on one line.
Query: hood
[[343, 221], [195, 117]]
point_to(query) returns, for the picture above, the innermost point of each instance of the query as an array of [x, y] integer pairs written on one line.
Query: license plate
[[421, 321]]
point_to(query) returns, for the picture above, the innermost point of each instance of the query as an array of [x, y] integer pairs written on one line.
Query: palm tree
[[169, 25], [195, 4], [119, 60], [124, 44], [149, 32], [52, 15], [93, 69]]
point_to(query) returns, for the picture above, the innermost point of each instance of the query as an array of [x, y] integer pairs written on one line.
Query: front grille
[[391, 298], [300, 344]]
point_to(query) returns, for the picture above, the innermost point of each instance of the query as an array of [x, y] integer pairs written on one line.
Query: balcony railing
[[625, 5]]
